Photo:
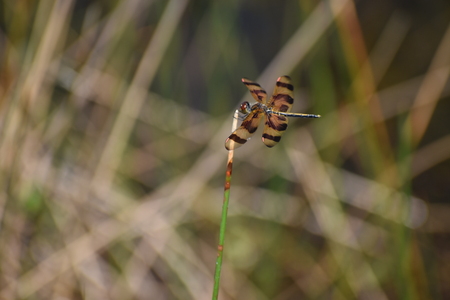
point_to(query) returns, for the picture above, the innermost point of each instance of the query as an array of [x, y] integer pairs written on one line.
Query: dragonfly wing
[[273, 129], [240, 136], [258, 93], [281, 100], [283, 95]]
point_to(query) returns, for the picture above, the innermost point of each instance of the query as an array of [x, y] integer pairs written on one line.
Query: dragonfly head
[[245, 108]]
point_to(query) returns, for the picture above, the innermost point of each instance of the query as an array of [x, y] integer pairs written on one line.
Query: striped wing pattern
[[283, 95], [258, 93], [240, 136], [281, 100]]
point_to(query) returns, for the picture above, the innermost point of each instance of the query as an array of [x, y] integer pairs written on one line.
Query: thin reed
[[223, 220]]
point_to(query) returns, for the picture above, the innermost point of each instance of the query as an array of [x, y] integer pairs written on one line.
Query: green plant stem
[[223, 222]]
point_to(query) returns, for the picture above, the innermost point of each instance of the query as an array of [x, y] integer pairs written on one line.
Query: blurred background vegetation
[[113, 117]]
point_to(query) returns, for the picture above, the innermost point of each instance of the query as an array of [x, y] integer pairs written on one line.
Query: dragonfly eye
[[245, 108]]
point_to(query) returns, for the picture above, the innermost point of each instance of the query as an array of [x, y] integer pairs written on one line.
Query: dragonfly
[[275, 111]]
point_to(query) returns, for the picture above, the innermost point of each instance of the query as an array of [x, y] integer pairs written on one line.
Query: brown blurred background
[[113, 117]]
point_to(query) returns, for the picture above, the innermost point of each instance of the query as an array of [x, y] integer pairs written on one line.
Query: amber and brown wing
[[283, 95], [258, 93], [282, 100], [240, 136]]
